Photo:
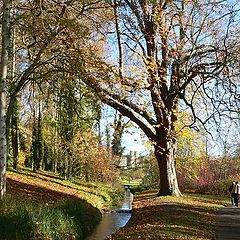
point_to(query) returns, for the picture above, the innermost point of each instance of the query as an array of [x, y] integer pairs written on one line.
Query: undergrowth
[[71, 219]]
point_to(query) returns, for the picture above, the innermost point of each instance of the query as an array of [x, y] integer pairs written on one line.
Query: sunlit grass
[[188, 217], [98, 194], [130, 182]]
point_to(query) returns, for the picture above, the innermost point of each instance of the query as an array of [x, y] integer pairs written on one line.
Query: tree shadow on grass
[[29, 211], [36, 193], [174, 219], [16, 225], [53, 180]]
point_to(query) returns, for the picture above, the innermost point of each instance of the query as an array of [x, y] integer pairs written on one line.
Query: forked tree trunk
[[3, 75]]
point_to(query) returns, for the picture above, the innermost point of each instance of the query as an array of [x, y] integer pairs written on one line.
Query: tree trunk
[[39, 140], [15, 135], [3, 74], [165, 154], [34, 148], [14, 112], [46, 163]]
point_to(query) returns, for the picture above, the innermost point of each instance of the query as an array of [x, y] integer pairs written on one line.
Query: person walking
[[230, 190], [236, 193]]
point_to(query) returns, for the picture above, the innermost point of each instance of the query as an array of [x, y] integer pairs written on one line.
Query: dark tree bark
[[117, 136], [34, 147]]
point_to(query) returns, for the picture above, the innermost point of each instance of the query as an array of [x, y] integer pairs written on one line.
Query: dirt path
[[228, 223]]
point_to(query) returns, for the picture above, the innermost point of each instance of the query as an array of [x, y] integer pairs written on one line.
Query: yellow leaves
[[21, 158]]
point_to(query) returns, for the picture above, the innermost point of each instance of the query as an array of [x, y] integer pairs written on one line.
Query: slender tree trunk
[[39, 139], [46, 165], [14, 113], [34, 145], [3, 74], [15, 135]]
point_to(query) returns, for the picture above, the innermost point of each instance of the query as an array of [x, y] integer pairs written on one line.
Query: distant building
[[130, 161]]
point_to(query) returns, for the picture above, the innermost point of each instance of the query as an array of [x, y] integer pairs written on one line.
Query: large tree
[[177, 54]]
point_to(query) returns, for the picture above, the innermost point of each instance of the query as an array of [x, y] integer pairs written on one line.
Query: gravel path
[[228, 223]]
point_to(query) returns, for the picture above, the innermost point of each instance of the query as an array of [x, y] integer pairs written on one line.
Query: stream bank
[[113, 221]]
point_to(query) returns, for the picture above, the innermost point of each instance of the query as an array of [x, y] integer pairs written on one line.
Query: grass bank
[[189, 217], [70, 219], [44, 206]]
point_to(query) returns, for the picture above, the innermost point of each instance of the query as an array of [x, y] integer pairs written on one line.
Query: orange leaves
[[96, 161]]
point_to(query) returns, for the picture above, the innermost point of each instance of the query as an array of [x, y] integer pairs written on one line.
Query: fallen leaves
[[189, 217]]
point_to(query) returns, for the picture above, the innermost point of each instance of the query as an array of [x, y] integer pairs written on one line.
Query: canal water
[[111, 222]]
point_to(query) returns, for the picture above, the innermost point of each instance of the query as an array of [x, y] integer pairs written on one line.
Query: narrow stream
[[111, 222]]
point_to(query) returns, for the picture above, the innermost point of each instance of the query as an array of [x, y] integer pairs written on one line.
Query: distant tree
[[15, 134], [119, 126], [46, 163], [94, 161], [108, 138], [37, 143], [151, 173], [34, 146], [40, 140]]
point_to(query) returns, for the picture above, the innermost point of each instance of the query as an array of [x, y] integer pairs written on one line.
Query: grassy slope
[[50, 188], [189, 217], [44, 206]]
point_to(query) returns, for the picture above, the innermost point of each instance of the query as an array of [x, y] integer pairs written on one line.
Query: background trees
[[46, 33]]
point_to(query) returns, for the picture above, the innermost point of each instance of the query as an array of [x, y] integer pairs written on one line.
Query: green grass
[[43, 206], [98, 194], [130, 183], [71, 219]]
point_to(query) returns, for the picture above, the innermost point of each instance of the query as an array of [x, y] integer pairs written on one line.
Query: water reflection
[[128, 199], [111, 222]]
